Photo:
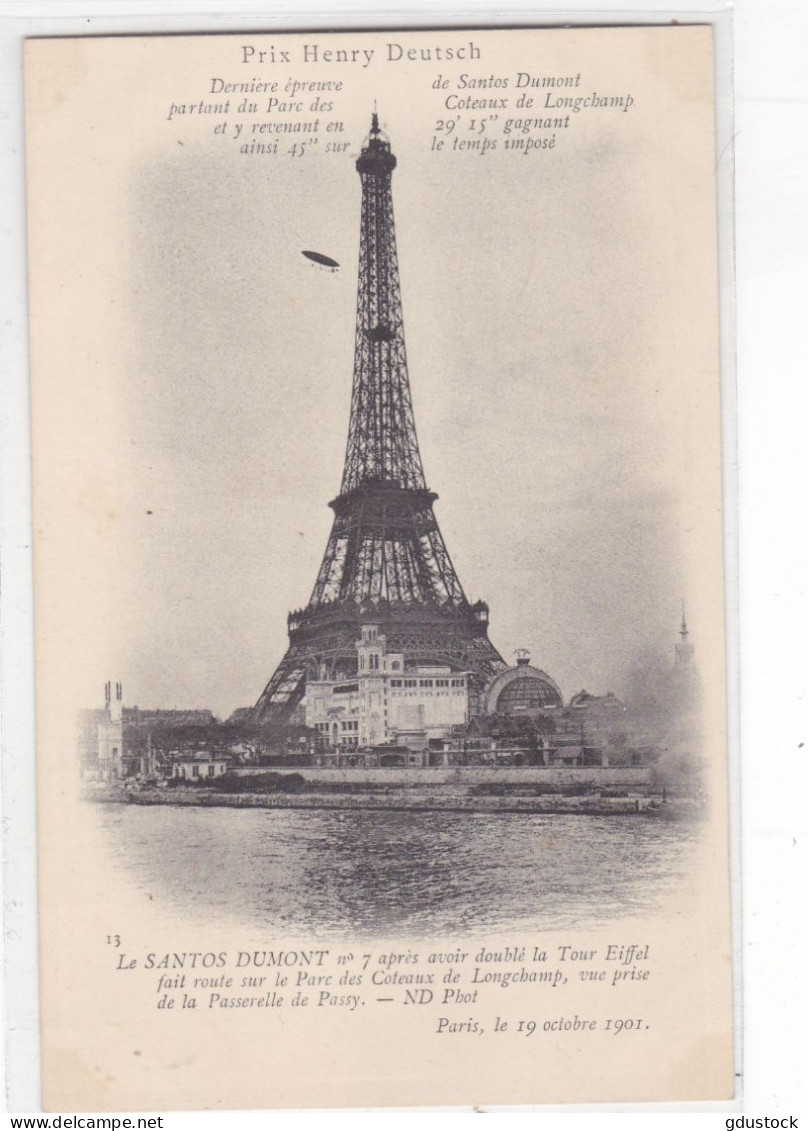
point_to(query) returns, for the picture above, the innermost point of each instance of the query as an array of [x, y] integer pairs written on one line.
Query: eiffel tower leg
[[285, 690]]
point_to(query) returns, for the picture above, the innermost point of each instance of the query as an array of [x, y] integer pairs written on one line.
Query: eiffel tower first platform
[[386, 562]]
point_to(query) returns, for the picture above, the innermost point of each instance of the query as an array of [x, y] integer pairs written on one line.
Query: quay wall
[[604, 776], [397, 799]]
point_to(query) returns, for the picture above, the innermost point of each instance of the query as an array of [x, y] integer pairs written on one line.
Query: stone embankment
[[396, 797]]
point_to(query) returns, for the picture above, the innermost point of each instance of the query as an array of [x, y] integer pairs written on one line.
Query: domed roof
[[521, 690]]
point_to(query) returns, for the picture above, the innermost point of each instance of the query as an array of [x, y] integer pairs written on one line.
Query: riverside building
[[388, 703]]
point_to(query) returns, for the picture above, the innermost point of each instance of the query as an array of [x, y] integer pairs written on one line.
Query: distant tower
[[110, 733], [684, 650], [386, 562]]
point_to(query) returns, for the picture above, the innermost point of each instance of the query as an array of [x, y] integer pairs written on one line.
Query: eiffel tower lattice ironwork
[[386, 561]]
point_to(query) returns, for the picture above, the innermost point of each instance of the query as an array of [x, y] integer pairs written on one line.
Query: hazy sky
[[558, 322]]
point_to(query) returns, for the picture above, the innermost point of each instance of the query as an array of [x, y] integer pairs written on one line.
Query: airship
[[322, 260]]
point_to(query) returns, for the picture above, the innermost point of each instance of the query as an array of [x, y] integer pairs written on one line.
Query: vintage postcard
[[379, 582]]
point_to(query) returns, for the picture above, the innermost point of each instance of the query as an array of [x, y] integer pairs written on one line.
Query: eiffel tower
[[386, 562]]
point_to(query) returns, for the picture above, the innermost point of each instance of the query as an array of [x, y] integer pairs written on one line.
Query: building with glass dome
[[522, 690]]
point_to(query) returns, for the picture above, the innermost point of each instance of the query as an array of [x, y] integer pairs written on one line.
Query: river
[[350, 874]]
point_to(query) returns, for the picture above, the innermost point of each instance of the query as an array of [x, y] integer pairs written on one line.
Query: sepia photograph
[[391, 699]]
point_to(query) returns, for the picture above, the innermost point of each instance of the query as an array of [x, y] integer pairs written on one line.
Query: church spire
[[684, 650]]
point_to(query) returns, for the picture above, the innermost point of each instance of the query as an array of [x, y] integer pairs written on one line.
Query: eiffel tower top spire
[[382, 444]]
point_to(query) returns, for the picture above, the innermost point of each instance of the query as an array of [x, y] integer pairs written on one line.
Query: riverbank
[[464, 800]]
